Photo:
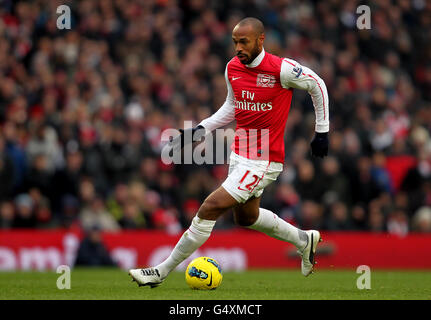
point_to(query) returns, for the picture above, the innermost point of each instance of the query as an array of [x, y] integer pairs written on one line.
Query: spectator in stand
[[422, 220], [39, 175], [364, 188], [376, 218], [311, 215], [7, 215], [359, 218], [16, 153], [167, 220], [397, 223], [25, 217], [92, 251], [70, 207], [132, 217], [306, 184], [6, 173], [117, 200], [66, 181], [334, 183], [44, 142], [95, 213], [339, 217], [42, 209]]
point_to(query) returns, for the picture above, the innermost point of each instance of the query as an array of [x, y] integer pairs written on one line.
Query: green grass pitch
[[89, 284]]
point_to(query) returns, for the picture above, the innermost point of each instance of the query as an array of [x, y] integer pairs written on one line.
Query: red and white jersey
[[259, 98]]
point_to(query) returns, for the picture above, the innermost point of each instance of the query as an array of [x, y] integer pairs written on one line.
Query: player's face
[[247, 43]]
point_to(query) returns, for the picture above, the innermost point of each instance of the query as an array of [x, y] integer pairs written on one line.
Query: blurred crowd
[[82, 111]]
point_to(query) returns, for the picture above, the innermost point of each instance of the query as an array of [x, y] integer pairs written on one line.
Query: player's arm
[[294, 75], [223, 116]]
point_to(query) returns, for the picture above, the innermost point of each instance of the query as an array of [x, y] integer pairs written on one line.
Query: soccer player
[[259, 96]]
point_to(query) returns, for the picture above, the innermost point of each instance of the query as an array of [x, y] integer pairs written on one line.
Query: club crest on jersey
[[265, 80]]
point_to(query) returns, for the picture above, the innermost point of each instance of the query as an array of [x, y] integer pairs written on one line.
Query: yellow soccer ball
[[203, 273]]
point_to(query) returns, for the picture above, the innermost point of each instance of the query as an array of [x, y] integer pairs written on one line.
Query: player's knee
[[243, 219], [210, 208]]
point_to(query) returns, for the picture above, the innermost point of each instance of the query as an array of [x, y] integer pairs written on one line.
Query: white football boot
[[307, 254], [146, 277]]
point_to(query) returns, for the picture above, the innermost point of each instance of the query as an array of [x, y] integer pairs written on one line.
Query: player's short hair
[[255, 23]]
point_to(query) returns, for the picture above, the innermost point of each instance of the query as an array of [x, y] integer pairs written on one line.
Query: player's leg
[[250, 215], [217, 203]]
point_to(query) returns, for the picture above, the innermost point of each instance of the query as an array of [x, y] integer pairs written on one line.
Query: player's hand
[[319, 144], [187, 136]]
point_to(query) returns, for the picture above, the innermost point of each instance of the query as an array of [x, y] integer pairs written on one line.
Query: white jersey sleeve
[[225, 114], [294, 75]]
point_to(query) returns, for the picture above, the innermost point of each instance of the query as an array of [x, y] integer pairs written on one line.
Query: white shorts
[[248, 178]]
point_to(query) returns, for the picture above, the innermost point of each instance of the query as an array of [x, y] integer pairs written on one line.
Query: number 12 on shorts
[[250, 184]]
